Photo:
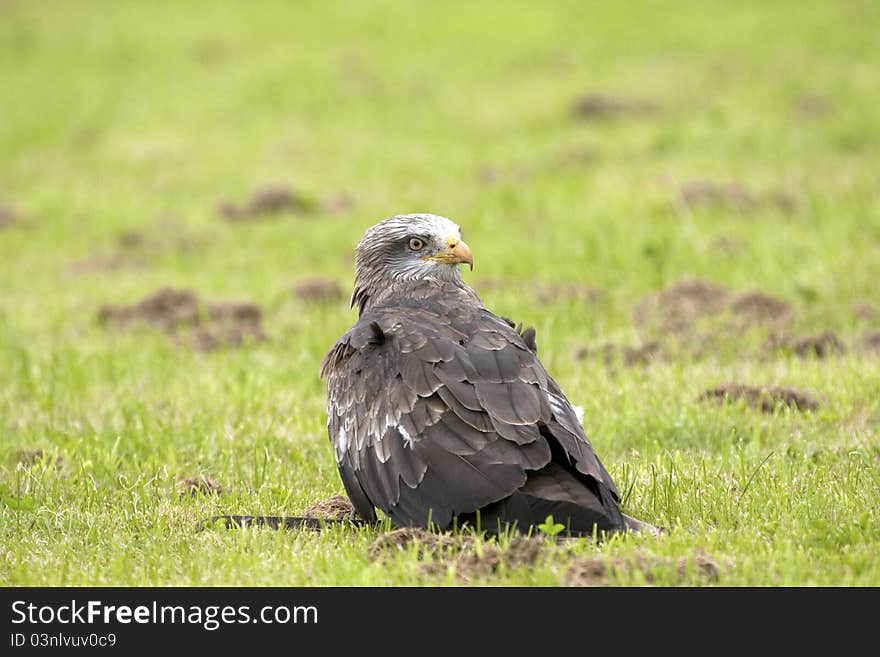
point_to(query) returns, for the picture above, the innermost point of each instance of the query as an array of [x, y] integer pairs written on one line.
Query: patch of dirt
[[756, 307], [210, 52], [600, 105], [468, 557], [200, 485], [766, 399], [130, 239], [268, 201], [597, 571], [29, 457], [230, 324], [552, 292], [171, 234], [820, 345], [167, 309], [103, 263], [810, 105], [490, 175], [236, 312], [866, 311], [338, 506], [679, 307], [704, 193], [728, 246], [706, 567], [404, 537], [468, 564], [523, 550], [134, 249], [870, 342], [567, 159], [708, 193], [611, 353], [8, 216], [475, 560], [785, 200], [179, 314], [574, 158], [589, 571], [319, 290]]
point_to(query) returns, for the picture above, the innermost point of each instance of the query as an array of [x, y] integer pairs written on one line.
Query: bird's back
[[439, 409]]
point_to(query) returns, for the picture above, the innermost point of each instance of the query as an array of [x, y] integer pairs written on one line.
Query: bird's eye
[[416, 244]]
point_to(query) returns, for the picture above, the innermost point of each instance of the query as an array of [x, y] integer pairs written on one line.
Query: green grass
[[120, 117]]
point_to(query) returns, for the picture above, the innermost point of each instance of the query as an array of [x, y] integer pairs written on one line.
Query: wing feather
[[451, 412]]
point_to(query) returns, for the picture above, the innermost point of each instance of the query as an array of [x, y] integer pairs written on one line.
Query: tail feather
[[552, 491]]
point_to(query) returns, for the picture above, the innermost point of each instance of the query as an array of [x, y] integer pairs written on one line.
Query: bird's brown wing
[[438, 408]]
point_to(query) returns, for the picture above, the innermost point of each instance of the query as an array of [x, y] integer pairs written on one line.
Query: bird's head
[[405, 248]]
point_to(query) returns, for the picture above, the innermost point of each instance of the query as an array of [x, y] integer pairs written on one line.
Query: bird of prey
[[440, 412]]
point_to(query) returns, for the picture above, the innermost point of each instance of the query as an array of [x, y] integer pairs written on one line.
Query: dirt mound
[[426, 542], [810, 105], [729, 246], [767, 399], [785, 200], [573, 158], [870, 342], [135, 249], [466, 556], [30, 457], [239, 312], [268, 201], [755, 306], [611, 354], [179, 313], [706, 193], [597, 571], [682, 305], [679, 306], [820, 345], [105, 263], [130, 239], [338, 506], [231, 324], [468, 564], [696, 194], [319, 290], [600, 105], [8, 216], [866, 311], [167, 309], [475, 560], [200, 485], [510, 173], [523, 550]]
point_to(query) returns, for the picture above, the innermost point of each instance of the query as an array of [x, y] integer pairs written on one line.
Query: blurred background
[[621, 145], [677, 196], [205, 169], [620, 142], [218, 162]]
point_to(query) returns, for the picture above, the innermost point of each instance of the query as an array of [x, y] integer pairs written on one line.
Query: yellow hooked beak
[[457, 253]]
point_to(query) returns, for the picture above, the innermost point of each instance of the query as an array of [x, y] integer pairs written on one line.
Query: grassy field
[[596, 155]]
